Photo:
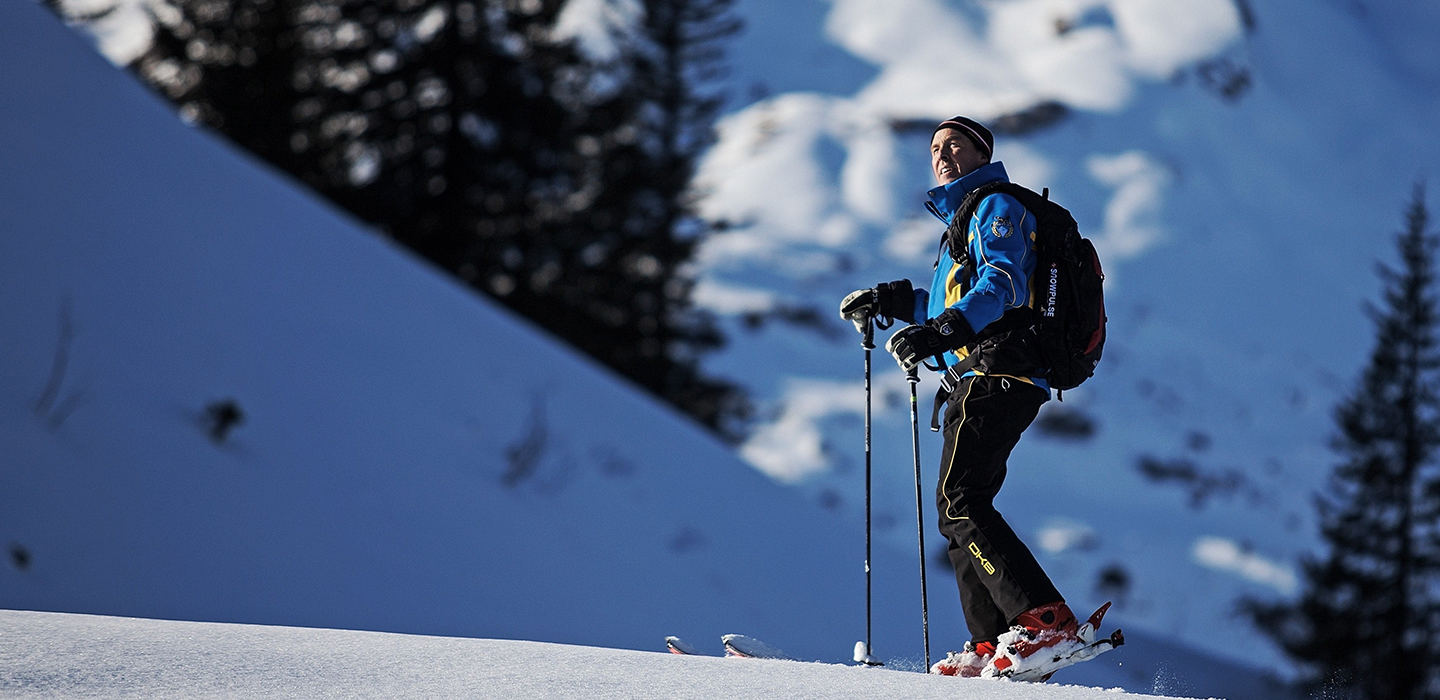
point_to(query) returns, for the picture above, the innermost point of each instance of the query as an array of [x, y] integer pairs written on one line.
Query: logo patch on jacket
[[1001, 227]]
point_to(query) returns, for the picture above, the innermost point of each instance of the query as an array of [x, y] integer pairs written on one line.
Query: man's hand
[[890, 299], [912, 345], [858, 306]]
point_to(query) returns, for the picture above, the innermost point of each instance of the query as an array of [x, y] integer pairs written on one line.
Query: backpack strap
[[948, 381], [958, 232]]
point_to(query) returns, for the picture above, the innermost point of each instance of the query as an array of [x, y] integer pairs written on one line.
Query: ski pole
[[914, 379], [864, 655], [869, 344]]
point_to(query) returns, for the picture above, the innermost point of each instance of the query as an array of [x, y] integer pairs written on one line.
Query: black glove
[[912, 345], [890, 299]]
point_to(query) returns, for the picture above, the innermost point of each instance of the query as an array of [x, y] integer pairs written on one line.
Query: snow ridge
[[93, 656]]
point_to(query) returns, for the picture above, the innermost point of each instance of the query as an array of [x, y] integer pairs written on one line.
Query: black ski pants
[[998, 576]]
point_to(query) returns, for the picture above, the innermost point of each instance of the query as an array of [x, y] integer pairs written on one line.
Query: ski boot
[[1046, 640], [965, 664], [1037, 629]]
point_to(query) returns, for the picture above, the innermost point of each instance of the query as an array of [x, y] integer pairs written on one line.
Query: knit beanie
[[983, 139]]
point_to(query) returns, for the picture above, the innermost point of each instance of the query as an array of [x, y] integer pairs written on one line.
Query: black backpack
[[1068, 311]]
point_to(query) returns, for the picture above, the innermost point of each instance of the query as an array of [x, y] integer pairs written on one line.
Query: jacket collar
[[945, 199]]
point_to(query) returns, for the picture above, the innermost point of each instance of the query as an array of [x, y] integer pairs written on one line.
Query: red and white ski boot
[[1046, 639], [1036, 629], [965, 664]]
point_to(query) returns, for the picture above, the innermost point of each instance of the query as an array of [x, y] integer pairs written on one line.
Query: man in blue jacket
[[975, 319]]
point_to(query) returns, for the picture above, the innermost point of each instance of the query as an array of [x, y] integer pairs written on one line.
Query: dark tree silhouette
[[656, 124], [230, 65], [556, 182], [1364, 627]]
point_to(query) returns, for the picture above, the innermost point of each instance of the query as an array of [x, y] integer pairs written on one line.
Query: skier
[[975, 319]]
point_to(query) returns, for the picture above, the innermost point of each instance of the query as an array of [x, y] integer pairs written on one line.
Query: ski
[[751, 648], [736, 645], [1037, 668], [677, 645]]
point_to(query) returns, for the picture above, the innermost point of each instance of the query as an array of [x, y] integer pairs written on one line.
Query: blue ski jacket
[[1001, 241]]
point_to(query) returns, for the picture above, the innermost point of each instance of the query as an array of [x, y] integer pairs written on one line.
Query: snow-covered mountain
[[410, 457], [414, 459], [1241, 166]]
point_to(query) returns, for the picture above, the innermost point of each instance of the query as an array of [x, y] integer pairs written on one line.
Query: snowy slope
[[91, 656], [1238, 235], [412, 458]]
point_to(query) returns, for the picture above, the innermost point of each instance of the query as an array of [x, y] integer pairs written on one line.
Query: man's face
[[953, 155]]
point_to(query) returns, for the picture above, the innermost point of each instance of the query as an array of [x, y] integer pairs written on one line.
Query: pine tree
[[230, 65], [656, 124], [557, 183], [1364, 627]]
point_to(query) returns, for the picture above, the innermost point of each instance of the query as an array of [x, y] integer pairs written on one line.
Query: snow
[[991, 58], [598, 26], [1392, 23], [727, 299], [916, 44], [387, 409], [430, 23], [413, 458], [763, 168], [792, 448], [1161, 37], [1238, 235], [1062, 534], [1133, 215], [1227, 555], [124, 32], [93, 656], [910, 241]]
